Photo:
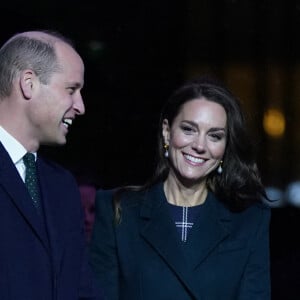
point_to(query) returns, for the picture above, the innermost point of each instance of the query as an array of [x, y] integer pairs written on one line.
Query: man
[[42, 252]]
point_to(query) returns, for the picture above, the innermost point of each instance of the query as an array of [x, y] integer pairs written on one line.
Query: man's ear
[[27, 81]]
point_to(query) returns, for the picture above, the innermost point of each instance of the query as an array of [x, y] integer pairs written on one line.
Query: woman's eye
[[216, 136], [187, 128]]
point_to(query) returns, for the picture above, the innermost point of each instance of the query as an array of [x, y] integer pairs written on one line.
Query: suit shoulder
[[54, 166]]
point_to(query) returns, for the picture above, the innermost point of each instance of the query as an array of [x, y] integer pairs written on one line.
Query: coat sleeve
[[89, 287], [256, 280], [103, 252]]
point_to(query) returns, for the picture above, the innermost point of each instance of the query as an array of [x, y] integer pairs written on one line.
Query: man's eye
[[71, 90]]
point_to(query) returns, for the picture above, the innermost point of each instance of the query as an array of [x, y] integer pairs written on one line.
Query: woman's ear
[[166, 131], [27, 78]]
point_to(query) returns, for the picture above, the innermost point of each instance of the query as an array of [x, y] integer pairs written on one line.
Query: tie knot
[[29, 160]]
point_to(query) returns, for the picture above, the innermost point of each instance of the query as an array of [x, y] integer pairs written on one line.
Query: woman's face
[[196, 139]]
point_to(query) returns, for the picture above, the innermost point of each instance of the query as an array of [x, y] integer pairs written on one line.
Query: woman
[[198, 229]]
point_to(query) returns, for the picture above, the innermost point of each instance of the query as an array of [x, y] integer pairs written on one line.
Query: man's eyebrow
[[75, 85]]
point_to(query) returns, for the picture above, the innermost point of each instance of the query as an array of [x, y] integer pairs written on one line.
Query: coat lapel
[[159, 230], [19, 195], [209, 230]]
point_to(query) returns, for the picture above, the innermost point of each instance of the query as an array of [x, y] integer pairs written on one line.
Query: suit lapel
[[19, 195], [52, 202]]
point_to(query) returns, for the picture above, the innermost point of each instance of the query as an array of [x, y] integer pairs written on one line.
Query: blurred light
[[293, 193], [275, 195], [274, 122], [96, 45], [95, 48]]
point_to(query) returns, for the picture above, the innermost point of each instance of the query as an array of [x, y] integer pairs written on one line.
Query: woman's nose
[[199, 144]]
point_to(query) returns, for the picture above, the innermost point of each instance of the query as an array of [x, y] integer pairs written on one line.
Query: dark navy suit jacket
[[226, 255], [42, 261]]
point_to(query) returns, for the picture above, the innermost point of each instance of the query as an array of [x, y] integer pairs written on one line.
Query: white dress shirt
[[15, 150]]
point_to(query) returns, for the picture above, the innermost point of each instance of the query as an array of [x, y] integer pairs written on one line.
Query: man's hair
[[23, 52]]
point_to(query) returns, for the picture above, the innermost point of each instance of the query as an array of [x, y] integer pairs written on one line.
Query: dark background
[[137, 52]]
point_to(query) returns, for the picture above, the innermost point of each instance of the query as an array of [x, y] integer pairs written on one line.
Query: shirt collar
[[14, 148]]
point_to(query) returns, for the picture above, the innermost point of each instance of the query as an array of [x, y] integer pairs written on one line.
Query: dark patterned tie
[[31, 180]]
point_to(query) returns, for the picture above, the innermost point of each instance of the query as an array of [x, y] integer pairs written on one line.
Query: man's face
[[56, 104]]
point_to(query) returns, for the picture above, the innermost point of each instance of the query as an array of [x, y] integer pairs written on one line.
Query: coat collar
[[158, 228]]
